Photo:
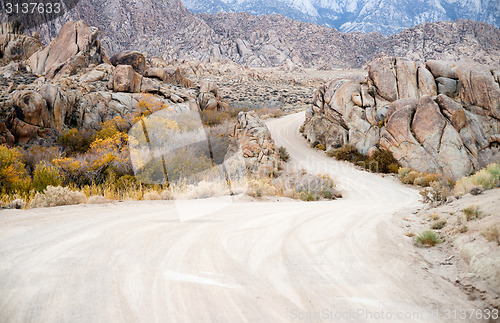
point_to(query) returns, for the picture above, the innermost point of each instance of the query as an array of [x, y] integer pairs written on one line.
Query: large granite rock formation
[[435, 117], [74, 48], [259, 151]]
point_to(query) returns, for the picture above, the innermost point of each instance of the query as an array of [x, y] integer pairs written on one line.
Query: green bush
[[45, 175], [76, 141], [284, 154], [349, 153], [428, 238], [438, 225], [472, 212], [383, 162]]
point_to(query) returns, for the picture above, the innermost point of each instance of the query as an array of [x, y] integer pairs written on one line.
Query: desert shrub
[[155, 195], [421, 181], [45, 175], [152, 196], [472, 212], [349, 153], [97, 199], [463, 229], [108, 130], [205, 189], [57, 196], [148, 104], [402, 172], [487, 178], [438, 192], [411, 177], [382, 161], [309, 196], [492, 234], [432, 177], [494, 169], [320, 147], [260, 188], [269, 112], [213, 117], [34, 155], [428, 238], [331, 152], [76, 141], [283, 154], [13, 175], [438, 225], [105, 158]]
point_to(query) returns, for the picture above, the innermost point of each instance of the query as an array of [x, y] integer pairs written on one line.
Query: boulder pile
[[71, 83], [436, 116], [259, 151]]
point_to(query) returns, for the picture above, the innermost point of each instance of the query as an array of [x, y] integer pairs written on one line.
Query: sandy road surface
[[255, 262]]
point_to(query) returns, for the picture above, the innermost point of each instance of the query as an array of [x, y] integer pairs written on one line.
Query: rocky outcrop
[[75, 47], [434, 117], [259, 151], [209, 97], [166, 28], [132, 58], [14, 45]]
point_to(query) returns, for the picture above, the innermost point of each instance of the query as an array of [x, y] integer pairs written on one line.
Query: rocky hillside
[[435, 117], [168, 29], [386, 16]]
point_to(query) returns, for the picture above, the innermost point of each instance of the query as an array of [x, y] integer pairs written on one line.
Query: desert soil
[[250, 261]]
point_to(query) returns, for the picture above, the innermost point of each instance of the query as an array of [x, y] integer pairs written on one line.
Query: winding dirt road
[[252, 261]]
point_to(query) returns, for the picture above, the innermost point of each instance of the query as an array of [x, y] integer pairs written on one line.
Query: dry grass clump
[[492, 234], [57, 196], [437, 193], [472, 212], [413, 177], [486, 178], [428, 238], [438, 225], [97, 199]]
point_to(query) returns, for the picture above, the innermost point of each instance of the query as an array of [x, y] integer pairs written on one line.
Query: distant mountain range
[[385, 16], [166, 28]]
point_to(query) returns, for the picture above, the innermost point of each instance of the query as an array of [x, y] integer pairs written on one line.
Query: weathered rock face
[[14, 45], [259, 151], [125, 79], [74, 48], [134, 59], [168, 29], [438, 117], [209, 98]]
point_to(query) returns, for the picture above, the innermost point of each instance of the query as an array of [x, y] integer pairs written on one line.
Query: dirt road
[[252, 261]]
